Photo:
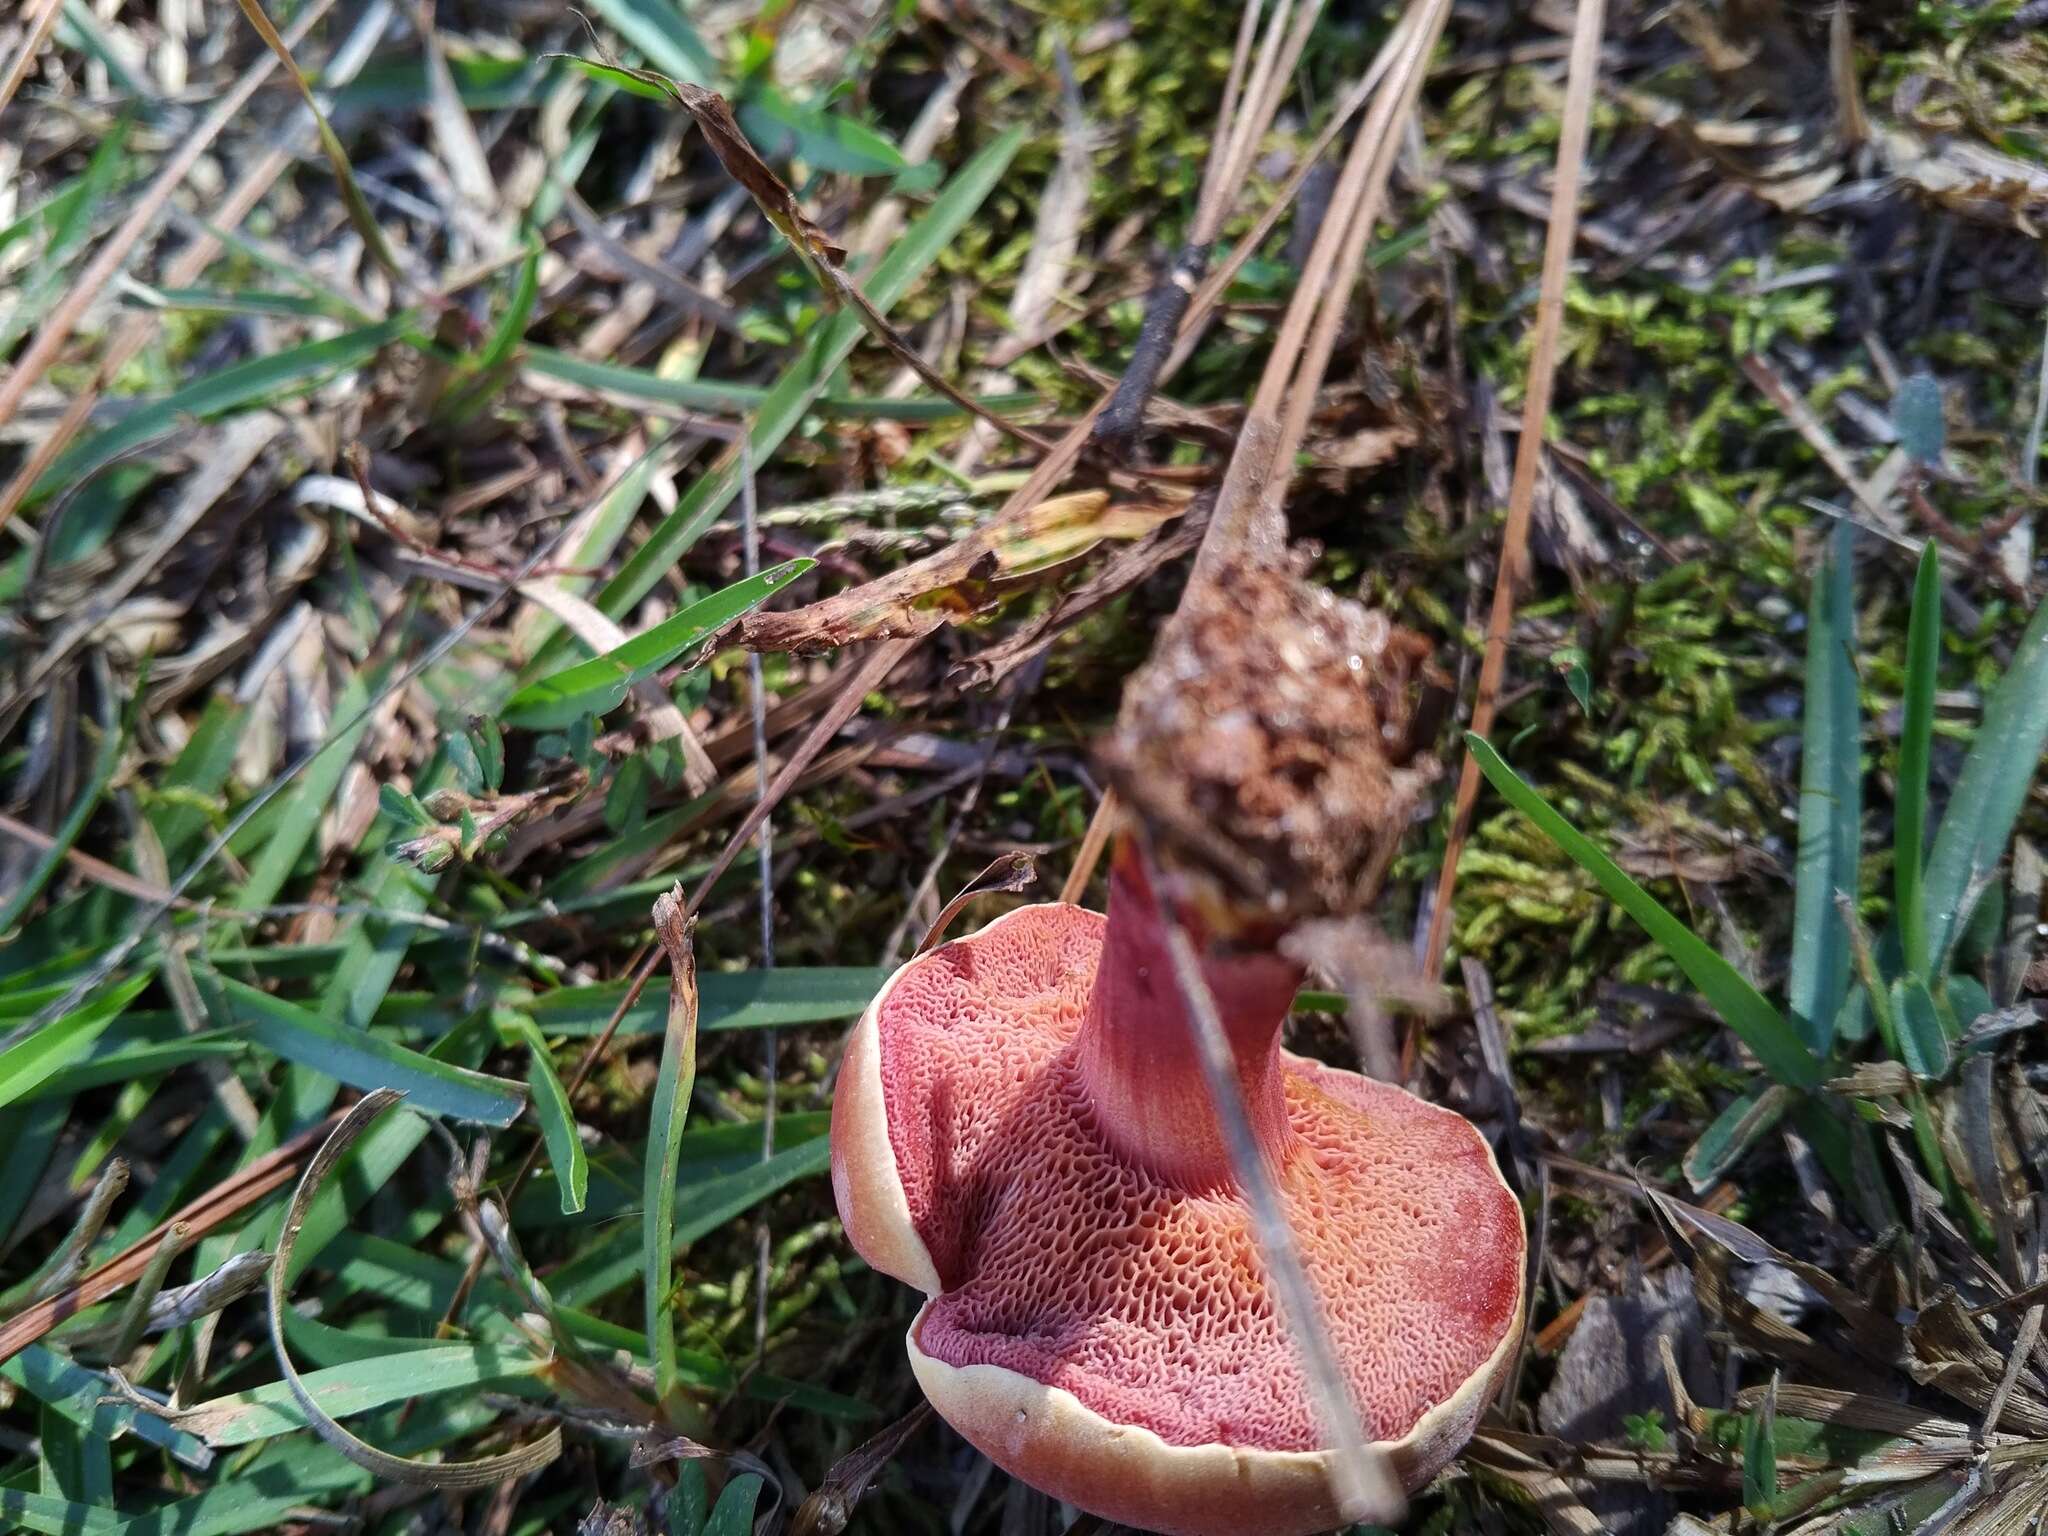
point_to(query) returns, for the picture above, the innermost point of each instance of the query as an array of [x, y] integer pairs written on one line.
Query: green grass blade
[[1923, 1042], [1916, 740], [666, 1121], [1749, 1117], [1989, 791], [600, 685], [557, 1125], [726, 1000], [1742, 1008], [512, 324], [714, 395], [806, 379], [1830, 802], [241, 386], [27, 1062], [80, 1396], [300, 816], [104, 763], [21, 1510], [358, 1387], [612, 1263], [364, 1060], [734, 1512], [783, 129]]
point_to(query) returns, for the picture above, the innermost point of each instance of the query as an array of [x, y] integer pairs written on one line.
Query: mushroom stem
[[1136, 1048]]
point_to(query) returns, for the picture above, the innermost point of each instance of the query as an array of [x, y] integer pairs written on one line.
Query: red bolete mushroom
[[1022, 1129]]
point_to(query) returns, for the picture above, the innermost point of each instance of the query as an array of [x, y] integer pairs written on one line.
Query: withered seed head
[[1264, 747]]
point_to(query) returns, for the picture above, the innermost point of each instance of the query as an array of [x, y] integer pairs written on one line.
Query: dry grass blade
[[827, 1511], [58, 325], [1247, 514], [1581, 78], [40, 19], [1008, 872], [359, 214], [1089, 854]]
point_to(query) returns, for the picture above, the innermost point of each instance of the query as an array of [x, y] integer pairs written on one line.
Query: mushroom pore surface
[[1062, 1258]]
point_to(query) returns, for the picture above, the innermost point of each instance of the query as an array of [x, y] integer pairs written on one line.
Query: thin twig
[[1581, 78], [1093, 841]]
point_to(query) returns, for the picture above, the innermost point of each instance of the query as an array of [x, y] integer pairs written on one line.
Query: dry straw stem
[[40, 19], [56, 330], [134, 331], [1581, 78], [1401, 60], [1248, 505], [1365, 1476]]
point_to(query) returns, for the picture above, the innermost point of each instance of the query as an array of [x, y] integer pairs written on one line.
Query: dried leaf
[[1009, 872], [960, 581]]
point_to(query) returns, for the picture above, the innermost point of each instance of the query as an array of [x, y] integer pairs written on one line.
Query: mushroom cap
[[1108, 1337]]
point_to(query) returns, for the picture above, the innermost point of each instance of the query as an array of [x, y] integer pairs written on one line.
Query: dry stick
[[1223, 180], [56, 330], [1404, 86], [17, 68], [1582, 76], [134, 331], [1093, 841], [1246, 507]]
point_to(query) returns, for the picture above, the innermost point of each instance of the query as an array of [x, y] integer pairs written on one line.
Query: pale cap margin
[[1049, 1438]]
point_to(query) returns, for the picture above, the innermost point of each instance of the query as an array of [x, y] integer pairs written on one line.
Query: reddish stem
[[1137, 1050]]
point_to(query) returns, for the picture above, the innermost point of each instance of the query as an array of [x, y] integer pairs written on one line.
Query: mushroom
[[1022, 1130]]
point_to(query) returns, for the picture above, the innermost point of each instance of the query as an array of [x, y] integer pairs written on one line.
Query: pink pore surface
[[1063, 1263]]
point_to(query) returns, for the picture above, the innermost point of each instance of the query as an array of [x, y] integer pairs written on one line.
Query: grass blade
[[26, 1063], [104, 764], [805, 379], [1989, 791], [366, 1061], [611, 1264], [352, 198], [1916, 739], [726, 1000], [1830, 802], [734, 1513], [557, 1125], [293, 371], [599, 685], [665, 1131], [715, 395], [1749, 1117], [342, 1391], [1744, 1009]]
